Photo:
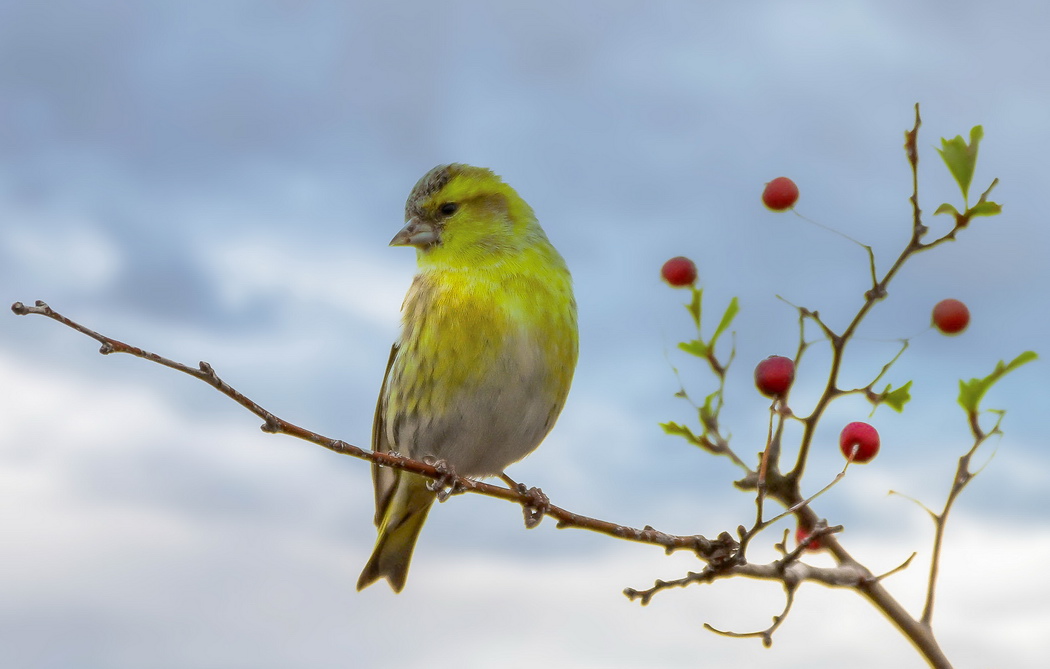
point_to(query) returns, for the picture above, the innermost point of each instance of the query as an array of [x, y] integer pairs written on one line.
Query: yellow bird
[[486, 354]]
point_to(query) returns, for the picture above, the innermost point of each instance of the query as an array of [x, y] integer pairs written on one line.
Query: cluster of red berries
[[780, 194], [858, 441], [773, 377]]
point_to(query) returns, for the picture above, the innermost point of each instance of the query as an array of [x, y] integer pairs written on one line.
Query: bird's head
[[459, 215]]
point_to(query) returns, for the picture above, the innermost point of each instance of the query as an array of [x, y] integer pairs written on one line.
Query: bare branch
[[899, 568], [767, 634], [702, 547], [962, 477], [788, 570]]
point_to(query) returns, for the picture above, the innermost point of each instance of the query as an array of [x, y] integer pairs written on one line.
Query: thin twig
[[767, 634], [962, 477], [275, 425]]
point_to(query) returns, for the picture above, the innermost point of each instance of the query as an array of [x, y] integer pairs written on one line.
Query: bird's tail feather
[[404, 518]]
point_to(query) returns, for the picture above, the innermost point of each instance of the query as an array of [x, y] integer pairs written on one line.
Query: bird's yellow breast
[[462, 329]]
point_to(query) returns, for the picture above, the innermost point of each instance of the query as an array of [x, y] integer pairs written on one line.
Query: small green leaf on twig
[[695, 347], [680, 431], [947, 209], [695, 305], [896, 399], [708, 410], [961, 158], [727, 319], [984, 209], [971, 392], [984, 206]]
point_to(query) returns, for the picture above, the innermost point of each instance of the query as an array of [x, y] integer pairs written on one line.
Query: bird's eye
[[448, 208]]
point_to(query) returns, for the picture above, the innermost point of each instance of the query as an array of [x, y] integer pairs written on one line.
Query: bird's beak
[[416, 233]]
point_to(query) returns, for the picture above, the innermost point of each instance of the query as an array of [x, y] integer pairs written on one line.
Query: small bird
[[486, 354]]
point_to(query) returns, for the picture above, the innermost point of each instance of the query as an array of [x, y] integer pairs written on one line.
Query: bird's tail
[[398, 531]]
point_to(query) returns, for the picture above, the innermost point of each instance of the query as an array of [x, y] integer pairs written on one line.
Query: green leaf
[[707, 411], [896, 399], [971, 392], [961, 158], [680, 431], [696, 305], [984, 209], [946, 209], [695, 347], [727, 318]]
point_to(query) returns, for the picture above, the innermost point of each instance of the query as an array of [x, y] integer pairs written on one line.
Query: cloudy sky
[[219, 181]]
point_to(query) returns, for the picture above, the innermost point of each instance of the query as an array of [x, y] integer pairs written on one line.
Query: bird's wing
[[384, 478]]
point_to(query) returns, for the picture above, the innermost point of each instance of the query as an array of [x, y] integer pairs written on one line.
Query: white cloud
[[141, 525], [191, 579], [73, 248], [274, 269]]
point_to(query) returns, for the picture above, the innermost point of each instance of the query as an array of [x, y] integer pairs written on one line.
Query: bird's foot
[[535, 503], [447, 483]]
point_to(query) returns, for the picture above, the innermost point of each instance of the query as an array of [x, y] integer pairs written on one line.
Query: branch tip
[[40, 307]]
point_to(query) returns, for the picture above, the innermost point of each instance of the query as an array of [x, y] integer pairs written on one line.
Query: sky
[[219, 182]]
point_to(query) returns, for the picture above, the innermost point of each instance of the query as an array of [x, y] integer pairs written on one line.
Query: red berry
[[773, 376], [780, 194], [951, 316], [801, 534], [859, 442], [678, 272]]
